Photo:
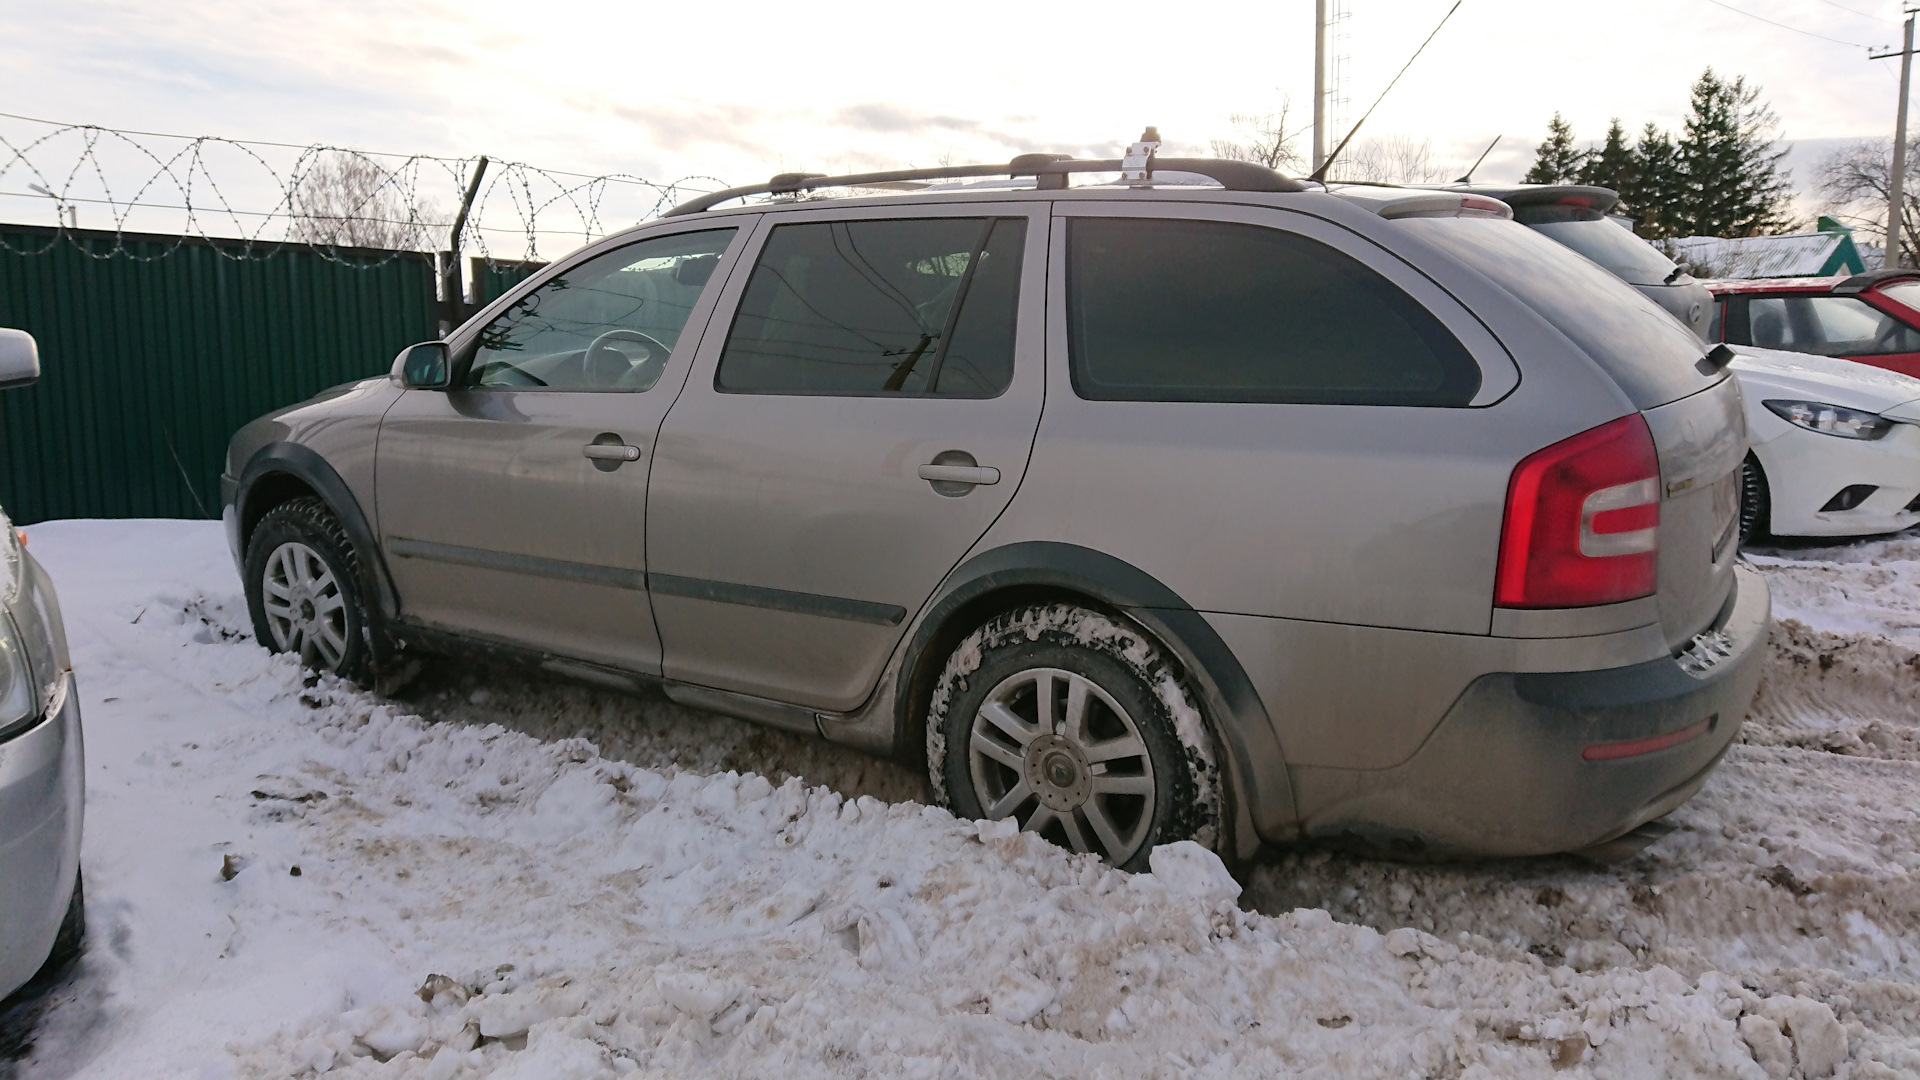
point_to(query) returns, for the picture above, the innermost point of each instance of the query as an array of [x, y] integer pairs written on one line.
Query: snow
[[497, 876]]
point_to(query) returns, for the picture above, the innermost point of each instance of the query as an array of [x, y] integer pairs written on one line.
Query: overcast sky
[[740, 91]]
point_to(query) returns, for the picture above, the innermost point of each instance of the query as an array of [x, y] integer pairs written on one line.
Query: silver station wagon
[[1205, 504]]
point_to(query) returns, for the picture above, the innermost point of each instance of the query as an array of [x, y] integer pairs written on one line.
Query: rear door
[[866, 414], [513, 506]]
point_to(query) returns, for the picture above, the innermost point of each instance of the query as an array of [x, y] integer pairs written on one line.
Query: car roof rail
[[1860, 283], [1049, 171]]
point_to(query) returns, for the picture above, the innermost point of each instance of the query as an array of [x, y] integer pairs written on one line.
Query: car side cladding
[[1261, 798], [283, 470]]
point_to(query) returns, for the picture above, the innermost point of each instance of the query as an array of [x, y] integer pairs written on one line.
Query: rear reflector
[[1583, 521], [1608, 751]]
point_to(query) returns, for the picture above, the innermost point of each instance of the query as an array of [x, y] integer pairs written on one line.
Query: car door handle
[[611, 452], [960, 474]]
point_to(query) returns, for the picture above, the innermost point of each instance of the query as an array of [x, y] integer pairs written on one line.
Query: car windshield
[[1600, 239], [1649, 353]]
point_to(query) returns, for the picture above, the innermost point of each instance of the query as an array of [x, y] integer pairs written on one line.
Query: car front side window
[[607, 324], [1827, 326]]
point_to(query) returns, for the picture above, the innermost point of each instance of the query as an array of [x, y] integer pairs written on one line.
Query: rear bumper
[[41, 796], [1527, 764]]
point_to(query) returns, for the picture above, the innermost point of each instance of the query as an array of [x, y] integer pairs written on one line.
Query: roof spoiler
[[1048, 170], [1860, 283]]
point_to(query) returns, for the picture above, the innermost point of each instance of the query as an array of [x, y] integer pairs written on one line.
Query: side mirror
[[426, 366], [19, 359]]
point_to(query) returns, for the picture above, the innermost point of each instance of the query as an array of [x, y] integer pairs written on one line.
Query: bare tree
[[1268, 140], [1395, 160], [1852, 183], [345, 199]]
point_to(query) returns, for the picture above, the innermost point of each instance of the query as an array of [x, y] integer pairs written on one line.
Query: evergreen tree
[[1734, 184], [1658, 190], [1556, 161], [1615, 166]]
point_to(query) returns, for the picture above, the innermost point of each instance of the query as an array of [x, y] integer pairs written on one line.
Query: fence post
[[450, 286]]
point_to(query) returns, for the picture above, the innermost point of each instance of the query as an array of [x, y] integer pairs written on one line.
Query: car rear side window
[[1647, 352], [911, 306], [1182, 310]]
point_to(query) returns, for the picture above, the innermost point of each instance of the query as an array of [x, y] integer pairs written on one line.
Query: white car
[[1836, 446]]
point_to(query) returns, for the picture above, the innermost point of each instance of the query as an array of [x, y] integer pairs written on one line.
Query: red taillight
[[1583, 521]]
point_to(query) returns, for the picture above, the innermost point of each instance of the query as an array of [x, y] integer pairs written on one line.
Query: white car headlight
[[1832, 420]]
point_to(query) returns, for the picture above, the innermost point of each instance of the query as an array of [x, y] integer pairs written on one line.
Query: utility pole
[[1897, 177], [1320, 83]]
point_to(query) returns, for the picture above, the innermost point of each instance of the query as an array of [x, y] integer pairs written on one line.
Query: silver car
[[1238, 511], [41, 772], [1577, 215]]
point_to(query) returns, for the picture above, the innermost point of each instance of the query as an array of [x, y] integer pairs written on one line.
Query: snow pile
[[1871, 587], [290, 877]]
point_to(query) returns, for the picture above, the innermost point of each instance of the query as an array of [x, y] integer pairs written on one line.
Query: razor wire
[[251, 198]]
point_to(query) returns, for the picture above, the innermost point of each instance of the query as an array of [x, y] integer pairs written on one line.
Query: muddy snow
[[493, 876]]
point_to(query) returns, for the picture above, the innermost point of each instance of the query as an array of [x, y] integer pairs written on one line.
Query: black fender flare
[[1262, 787], [307, 466]]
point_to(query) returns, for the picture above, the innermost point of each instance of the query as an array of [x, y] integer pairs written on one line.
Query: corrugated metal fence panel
[[147, 367], [493, 279]]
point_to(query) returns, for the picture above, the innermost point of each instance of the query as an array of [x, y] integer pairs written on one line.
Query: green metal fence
[[494, 279], [151, 358]]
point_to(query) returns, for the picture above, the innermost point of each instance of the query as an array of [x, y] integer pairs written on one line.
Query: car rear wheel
[[1755, 507], [1063, 720], [303, 589]]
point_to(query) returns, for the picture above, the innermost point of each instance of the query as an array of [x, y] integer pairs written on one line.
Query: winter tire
[[1755, 508], [303, 589], [1073, 724]]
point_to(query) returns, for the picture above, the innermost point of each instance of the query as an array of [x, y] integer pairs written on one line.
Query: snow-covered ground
[[497, 876]]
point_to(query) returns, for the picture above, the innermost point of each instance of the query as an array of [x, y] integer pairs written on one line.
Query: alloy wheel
[[1052, 749], [304, 606]]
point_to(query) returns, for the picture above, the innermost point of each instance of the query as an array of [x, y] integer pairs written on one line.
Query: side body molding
[[307, 466], [1262, 802]]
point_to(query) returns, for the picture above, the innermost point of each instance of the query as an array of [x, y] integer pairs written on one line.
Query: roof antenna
[[1320, 174], [1468, 178]]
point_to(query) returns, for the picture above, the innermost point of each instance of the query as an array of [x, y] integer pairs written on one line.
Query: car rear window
[[1906, 293], [1648, 352], [1598, 238], [1182, 310]]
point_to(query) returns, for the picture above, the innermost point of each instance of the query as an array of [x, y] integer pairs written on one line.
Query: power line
[[1784, 26], [1862, 14]]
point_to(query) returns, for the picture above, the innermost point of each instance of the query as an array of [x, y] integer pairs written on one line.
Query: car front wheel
[[1754, 504], [303, 589]]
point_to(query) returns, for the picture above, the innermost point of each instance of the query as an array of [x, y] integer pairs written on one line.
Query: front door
[[513, 506], [866, 417], [1847, 327]]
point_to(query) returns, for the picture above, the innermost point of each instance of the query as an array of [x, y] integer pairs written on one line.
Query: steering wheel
[[598, 354]]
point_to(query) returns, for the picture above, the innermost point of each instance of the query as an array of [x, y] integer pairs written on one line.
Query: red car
[[1873, 318]]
